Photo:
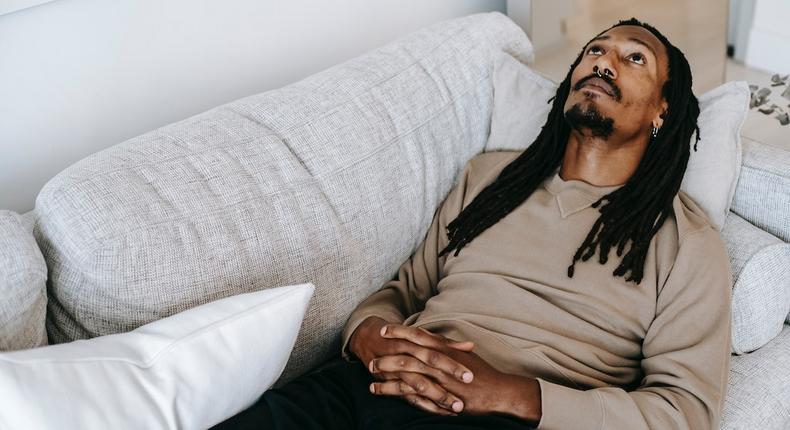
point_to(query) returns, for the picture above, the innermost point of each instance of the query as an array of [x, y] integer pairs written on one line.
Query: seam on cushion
[[314, 178], [738, 161], [738, 166], [323, 114], [151, 361], [287, 145]]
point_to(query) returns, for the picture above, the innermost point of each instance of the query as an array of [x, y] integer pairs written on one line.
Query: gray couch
[[331, 180]]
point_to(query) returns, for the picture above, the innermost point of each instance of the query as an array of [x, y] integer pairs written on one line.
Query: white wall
[[77, 76], [769, 39], [739, 25]]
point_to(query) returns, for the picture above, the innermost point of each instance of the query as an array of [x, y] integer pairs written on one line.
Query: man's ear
[[658, 121]]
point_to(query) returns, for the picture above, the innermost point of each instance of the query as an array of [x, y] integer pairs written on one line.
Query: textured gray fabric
[[762, 196], [23, 277], [332, 180], [758, 395], [761, 283], [28, 219]]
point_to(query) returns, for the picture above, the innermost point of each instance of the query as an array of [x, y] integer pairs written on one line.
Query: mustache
[[615, 89]]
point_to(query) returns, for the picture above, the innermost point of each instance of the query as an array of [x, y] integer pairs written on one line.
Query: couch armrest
[[761, 283]]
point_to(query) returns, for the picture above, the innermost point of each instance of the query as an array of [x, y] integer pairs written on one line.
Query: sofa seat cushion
[[758, 395]]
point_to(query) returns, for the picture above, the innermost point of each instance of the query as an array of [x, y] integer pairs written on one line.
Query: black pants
[[336, 396]]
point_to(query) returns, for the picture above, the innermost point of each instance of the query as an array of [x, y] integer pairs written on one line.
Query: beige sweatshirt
[[608, 354]]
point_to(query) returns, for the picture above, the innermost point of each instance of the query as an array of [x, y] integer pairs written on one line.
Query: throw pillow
[[191, 370], [521, 107]]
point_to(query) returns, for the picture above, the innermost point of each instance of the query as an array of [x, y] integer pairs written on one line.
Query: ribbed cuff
[[565, 408]]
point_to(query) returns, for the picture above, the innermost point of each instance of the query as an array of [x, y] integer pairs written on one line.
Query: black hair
[[635, 211]]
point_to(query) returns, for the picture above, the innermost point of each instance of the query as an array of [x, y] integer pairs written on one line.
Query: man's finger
[[386, 376], [417, 335], [430, 355], [415, 383], [402, 363], [426, 405], [395, 387], [439, 360], [423, 337], [463, 346], [427, 387]]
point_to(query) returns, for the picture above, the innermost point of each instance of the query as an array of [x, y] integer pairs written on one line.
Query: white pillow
[[191, 370], [521, 108]]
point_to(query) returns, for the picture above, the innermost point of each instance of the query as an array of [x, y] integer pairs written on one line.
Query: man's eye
[[638, 58], [593, 50]]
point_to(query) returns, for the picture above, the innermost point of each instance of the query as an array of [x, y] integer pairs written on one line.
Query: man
[[512, 333]]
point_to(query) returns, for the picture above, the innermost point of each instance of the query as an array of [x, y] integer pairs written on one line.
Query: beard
[[590, 119]]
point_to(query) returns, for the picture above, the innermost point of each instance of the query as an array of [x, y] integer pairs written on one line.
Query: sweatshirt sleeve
[[417, 277], [686, 355]]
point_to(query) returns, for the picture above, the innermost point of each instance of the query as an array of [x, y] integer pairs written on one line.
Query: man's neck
[[601, 162]]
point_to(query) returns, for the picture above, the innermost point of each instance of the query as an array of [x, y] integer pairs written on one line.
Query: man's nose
[[604, 67]]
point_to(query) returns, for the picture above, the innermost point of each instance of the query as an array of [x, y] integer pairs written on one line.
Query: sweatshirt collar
[[574, 195]]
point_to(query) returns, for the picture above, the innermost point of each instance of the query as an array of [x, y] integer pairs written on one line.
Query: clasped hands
[[430, 371]]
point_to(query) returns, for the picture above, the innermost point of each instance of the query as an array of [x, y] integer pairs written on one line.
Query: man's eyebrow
[[633, 39], [641, 42]]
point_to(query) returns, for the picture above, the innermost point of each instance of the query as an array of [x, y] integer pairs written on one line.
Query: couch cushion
[[188, 371], [761, 283], [333, 179], [762, 195], [758, 395], [23, 277]]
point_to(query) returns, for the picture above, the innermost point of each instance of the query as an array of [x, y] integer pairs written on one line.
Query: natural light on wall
[[8, 6]]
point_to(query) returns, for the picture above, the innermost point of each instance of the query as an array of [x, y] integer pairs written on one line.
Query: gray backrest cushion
[[762, 195], [23, 277], [332, 180]]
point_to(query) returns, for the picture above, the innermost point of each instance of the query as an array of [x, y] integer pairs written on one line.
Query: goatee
[[590, 119]]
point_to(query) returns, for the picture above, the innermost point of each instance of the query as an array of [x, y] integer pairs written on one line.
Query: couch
[[332, 180]]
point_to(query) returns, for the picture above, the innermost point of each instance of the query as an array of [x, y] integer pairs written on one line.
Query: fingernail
[[371, 366], [457, 406], [467, 377], [384, 330], [372, 389]]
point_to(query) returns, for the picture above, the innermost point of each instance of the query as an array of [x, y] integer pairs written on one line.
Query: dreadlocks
[[635, 211]]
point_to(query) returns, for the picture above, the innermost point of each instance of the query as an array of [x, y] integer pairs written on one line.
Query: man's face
[[627, 100]]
